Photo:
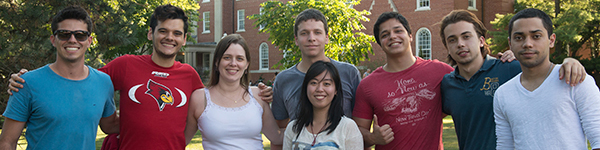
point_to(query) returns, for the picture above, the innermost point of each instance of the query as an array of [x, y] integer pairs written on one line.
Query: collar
[[487, 65]]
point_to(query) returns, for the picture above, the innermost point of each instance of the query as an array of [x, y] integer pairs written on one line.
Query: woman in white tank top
[[227, 111]]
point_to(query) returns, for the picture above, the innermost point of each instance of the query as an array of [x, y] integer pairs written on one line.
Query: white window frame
[[205, 1], [418, 43], [264, 56], [472, 7], [205, 22], [241, 19], [262, 26], [423, 8]]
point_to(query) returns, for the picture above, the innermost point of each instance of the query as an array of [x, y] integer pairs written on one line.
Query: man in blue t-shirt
[[63, 102], [468, 91]]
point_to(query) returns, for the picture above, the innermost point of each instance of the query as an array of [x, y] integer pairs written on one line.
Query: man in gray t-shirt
[[311, 35], [288, 83]]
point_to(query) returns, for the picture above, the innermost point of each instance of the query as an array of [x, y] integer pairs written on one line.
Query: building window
[[205, 1], [262, 26], [241, 18], [424, 43], [193, 32], [206, 22], [205, 62], [264, 56], [422, 5], [472, 5]]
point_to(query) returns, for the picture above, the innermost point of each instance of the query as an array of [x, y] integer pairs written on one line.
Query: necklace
[[219, 90], [315, 135]]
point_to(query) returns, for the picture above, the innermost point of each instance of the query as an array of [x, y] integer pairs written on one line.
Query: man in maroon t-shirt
[[403, 96]]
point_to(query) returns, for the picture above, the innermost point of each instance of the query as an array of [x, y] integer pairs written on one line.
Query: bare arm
[[270, 127], [266, 92], [572, 71], [282, 123], [197, 106], [110, 124], [381, 134], [13, 85], [11, 131], [508, 55]]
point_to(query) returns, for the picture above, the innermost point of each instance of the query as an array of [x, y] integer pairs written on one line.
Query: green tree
[[120, 27], [346, 41], [577, 26]]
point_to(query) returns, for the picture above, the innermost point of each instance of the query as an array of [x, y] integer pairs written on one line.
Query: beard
[[162, 54]]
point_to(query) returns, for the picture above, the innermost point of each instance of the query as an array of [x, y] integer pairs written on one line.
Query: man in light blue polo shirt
[[468, 91]]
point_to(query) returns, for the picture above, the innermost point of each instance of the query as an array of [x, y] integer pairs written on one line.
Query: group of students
[[403, 101]]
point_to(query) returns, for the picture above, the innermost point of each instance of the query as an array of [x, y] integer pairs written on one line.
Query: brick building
[[227, 17]]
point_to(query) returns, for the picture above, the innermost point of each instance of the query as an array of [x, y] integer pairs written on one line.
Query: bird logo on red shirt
[[160, 93]]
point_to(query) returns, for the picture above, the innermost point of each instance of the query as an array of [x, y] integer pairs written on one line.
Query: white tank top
[[231, 128]]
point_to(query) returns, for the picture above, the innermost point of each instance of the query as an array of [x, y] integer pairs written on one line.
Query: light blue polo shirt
[[471, 102]]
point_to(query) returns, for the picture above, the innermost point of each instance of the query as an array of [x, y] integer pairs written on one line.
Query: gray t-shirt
[[286, 90]]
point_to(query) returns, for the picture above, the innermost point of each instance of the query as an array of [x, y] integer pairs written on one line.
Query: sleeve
[[288, 135], [109, 106], [587, 98], [112, 69], [354, 139], [363, 108], [278, 105], [355, 80], [447, 68], [196, 81], [19, 104], [503, 131]]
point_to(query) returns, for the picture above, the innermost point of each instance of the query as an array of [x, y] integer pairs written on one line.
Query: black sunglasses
[[65, 35]]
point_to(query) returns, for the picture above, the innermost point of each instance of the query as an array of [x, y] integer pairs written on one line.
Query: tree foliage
[[346, 42], [120, 27], [577, 26]]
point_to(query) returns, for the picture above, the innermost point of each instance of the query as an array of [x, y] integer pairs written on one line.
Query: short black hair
[[164, 12], [72, 12], [307, 15], [387, 16], [532, 13]]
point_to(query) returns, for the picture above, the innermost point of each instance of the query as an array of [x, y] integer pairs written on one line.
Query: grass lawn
[[449, 138]]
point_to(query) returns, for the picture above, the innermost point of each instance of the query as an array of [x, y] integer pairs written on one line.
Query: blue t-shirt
[[471, 102], [61, 113]]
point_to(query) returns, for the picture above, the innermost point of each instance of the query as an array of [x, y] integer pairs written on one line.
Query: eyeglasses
[[65, 35]]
